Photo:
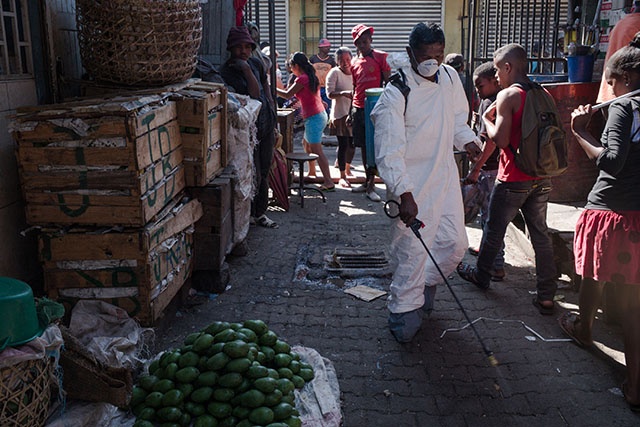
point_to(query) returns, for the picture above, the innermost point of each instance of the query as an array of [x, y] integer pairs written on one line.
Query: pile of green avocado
[[228, 375]]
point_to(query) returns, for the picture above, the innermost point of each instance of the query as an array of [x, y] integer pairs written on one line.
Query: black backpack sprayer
[[392, 210]]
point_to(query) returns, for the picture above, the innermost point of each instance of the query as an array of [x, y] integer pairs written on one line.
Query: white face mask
[[428, 68]]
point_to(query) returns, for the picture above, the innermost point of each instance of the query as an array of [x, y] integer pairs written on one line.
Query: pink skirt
[[606, 246]]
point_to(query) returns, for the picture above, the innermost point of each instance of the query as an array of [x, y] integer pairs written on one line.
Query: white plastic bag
[[110, 335], [319, 400]]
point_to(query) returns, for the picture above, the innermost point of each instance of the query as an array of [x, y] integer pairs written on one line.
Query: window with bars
[[15, 44], [535, 24]]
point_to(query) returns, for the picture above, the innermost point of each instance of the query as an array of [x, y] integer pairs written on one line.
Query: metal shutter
[[535, 24], [391, 20], [281, 24]]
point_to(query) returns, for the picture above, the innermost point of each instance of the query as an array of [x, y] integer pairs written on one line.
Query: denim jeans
[[530, 197], [490, 179], [359, 138]]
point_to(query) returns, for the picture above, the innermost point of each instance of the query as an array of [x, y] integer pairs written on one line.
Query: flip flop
[[544, 310], [568, 323], [265, 221], [469, 273], [344, 183], [327, 189]]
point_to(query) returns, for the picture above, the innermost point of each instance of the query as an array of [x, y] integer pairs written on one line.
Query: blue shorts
[[314, 126]]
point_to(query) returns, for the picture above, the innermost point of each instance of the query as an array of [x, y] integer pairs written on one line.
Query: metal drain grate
[[357, 261]]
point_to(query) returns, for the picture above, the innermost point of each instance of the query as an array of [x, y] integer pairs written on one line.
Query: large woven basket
[[139, 42], [25, 393]]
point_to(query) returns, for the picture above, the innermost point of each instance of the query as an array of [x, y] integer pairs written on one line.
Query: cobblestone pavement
[[441, 378]]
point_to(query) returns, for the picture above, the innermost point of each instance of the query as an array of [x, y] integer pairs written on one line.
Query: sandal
[[264, 221], [543, 309], [470, 274], [327, 189], [568, 322], [344, 183]]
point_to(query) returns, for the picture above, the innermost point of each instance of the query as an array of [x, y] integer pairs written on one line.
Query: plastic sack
[[241, 141], [109, 334], [46, 345], [319, 400]]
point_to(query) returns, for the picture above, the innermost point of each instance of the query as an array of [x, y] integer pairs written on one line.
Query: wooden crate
[[114, 161], [139, 269], [216, 204], [286, 117], [210, 249], [202, 116], [213, 235]]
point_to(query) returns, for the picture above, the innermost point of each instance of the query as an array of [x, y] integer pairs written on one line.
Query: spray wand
[[415, 227]]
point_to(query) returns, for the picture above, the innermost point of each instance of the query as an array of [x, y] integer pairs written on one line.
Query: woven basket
[[25, 393], [85, 378], [139, 42]]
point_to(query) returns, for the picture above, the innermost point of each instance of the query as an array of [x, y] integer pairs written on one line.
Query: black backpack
[[543, 150], [399, 80]]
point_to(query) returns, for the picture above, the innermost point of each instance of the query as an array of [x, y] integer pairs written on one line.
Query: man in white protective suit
[[414, 147]]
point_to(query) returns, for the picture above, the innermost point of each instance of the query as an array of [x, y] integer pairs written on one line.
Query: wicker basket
[[139, 42], [25, 393]]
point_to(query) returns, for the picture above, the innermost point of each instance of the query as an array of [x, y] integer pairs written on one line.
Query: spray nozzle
[[416, 226]]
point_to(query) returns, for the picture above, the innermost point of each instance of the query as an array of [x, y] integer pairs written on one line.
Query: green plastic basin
[[18, 318]]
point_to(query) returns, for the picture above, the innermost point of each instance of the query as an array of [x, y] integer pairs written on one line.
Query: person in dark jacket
[[246, 75]]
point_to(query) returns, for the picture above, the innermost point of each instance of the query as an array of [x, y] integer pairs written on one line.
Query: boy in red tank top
[[514, 190]]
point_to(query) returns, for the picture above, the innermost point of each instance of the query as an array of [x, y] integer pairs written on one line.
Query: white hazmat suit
[[414, 153]]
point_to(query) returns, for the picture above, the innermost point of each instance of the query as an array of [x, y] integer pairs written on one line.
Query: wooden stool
[[300, 158]]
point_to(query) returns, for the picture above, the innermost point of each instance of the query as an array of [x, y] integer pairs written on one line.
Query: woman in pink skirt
[[607, 238]]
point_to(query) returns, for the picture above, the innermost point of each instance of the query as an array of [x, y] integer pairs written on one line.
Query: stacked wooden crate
[[202, 117], [213, 232], [113, 162], [140, 270], [104, 179]]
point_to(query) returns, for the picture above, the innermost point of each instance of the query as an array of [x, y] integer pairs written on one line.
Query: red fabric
[[278, 179], [507, 169], [357, 31], [238, 6], [366, 72], [310, 103], [606, 246]]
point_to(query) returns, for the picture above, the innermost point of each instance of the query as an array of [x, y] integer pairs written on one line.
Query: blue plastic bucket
[[580, 68], [371, 97]]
